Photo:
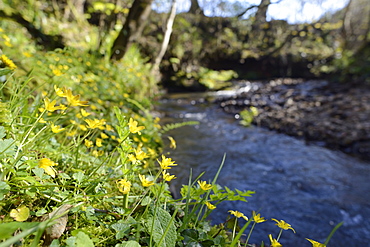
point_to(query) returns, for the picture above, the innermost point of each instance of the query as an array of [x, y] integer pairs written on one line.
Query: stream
[[310, 187]]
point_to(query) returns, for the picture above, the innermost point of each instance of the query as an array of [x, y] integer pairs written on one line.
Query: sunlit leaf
[[20, 214]]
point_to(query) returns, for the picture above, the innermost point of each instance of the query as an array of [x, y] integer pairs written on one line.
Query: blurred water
[[308, 186]]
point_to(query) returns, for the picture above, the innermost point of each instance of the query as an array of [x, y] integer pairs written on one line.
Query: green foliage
[[248, 115], [172, 126], [77, 130]]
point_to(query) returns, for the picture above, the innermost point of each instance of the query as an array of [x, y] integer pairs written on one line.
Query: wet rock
[[331, 113]]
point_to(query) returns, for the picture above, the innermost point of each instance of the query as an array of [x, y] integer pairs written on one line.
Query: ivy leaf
[[20, 214], [163, 230]]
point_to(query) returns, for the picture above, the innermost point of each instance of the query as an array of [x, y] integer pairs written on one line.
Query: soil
[[330, 114]]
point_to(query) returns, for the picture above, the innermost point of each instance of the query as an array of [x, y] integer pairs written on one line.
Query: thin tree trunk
[[166, 39], [132, 29]]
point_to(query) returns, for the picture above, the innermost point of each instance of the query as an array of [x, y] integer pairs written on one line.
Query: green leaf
[[79, 176], [130, 243], [7, 229], [4, 189], [83, 240], [163, 230]]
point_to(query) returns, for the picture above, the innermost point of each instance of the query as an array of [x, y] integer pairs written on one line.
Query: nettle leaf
[[163, 230]]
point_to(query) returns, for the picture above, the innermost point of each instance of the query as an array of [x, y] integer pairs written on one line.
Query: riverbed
[[309, 186]]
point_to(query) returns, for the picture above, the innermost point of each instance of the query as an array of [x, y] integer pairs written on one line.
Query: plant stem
[[249, 234]]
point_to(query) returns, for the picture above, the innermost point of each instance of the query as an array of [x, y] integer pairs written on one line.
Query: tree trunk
[[260, 16], [132, 29], [195, 8], [166, 39]]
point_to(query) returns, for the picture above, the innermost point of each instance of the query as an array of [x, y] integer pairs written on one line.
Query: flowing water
[[308, 186]]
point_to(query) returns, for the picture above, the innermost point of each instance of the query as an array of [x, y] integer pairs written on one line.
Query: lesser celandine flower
[[140, 154], [74, 100], [88, 143], [274, 242], [6, 62], [166, 163], [50, 106], [59, 92], [84, 113], [103, 136], [144, 181], [123, 185], [257, 217], [56, 128], [47, 164], [99, 142], [283, 225], [132, 124], [96, 123], [238, 214], [210, 206], [172, 142], [167, 177], [315, 243], [204, 186]]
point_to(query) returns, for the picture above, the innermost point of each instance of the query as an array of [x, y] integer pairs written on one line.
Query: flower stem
[[249, 234]]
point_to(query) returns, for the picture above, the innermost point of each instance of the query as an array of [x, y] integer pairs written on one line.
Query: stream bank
[[329, 114], [308, 186]]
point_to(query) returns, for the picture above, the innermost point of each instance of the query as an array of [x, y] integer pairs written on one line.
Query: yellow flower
[[42, 120], [99, 142], [257, 217], [103, 136], [97, 153], [172, 142], [82, 127], [132, 124], [47, 164], [210, 206], [283, 225], [204, 186], [274, 242], [88, 143], [132, 158], [74, 100], [6, 62], [108, 127], [96, 123], [59, 92], [316, 244], [56, 128], [72, 133], [168, 177], [50, 106], [144, 181], [84, 113], [123, 185], [140, 155], [166, 163], [238, 214]]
